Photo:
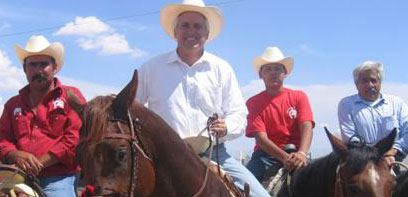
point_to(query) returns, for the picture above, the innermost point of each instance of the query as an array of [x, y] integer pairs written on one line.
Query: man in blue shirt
[[372, 115]]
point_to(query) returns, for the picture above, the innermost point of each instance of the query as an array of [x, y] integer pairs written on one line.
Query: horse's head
[[110, 150], [362, 171]]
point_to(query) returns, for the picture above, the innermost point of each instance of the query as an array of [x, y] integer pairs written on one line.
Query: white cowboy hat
[[213, 15], [39, 45], [273, 55]]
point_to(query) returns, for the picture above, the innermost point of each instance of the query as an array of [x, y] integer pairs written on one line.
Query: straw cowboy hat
[[273, 55], [39, 45], [213, 15]]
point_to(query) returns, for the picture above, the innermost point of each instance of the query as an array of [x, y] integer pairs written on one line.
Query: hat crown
[[194, 2], [37, 43], [272, 54]]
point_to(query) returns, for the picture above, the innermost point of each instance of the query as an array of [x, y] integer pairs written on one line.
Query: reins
[[210, 121]]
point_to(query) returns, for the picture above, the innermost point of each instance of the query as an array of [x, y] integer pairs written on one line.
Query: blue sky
[[327, 39]]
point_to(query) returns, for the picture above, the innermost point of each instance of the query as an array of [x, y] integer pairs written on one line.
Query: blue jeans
[[260, 164], [238, 172], [59, 186]]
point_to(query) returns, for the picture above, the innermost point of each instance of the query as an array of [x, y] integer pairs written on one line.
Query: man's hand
[[389, 159], [25, 161], [295, 161], [389, 156], [219, 127]]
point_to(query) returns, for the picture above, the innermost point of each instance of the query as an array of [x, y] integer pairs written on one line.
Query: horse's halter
[[135, 144], [338, 184]]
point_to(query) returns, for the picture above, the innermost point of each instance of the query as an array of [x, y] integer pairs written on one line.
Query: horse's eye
[[121, 154], [99, 157], [353, 189]]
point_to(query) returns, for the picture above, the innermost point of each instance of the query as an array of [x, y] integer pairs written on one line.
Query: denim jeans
[[238, 172], [261, 163], [59, 186]]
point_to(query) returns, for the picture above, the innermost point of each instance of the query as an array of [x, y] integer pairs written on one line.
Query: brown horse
[[126, 149], [353, 170]]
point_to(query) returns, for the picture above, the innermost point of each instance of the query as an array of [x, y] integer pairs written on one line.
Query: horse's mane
[[321, 172], [96, 115]]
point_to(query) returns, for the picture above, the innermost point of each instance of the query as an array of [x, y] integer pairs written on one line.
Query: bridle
[[338, 184], [136, 147]]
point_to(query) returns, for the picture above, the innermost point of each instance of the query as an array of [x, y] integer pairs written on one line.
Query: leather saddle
[[14, 181]]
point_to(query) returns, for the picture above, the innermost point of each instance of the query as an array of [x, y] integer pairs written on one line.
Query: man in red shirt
[[278, 116], [38, 129]]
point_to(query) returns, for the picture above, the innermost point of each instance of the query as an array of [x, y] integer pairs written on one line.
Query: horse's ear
[[125, 98], [386, 143], [338, 145], [74, 102]]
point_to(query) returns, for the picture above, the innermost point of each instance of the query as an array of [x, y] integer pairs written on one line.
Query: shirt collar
[[55, 93], [174, 57], [381, 99]]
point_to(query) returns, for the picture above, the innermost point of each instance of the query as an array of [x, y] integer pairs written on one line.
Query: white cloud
[[108, 44], [4, 26], [11, 77], [94, 34], [324, 100], [84, 26], [306, 49]]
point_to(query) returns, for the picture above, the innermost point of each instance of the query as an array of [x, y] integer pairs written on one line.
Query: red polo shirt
[[280, 116], [55, 128]]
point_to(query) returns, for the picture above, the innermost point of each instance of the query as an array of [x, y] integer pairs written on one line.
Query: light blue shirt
[[373, 121]]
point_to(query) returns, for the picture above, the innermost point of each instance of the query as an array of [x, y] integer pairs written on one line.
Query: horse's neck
[[317, 176]]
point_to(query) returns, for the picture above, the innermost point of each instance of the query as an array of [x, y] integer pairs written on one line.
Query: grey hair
[[175, 22], [369, 65]]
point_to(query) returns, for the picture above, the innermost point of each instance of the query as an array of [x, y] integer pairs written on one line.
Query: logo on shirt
[[58, 103], [292, 112], [17, 111]]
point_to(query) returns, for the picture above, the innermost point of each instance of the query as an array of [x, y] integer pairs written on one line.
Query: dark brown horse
[[126, 149], [401, 189], [353, 170]]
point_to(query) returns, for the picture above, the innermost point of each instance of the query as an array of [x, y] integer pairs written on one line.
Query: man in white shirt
[[186, 86]]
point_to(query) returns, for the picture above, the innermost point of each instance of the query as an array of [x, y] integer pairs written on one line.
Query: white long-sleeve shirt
[[185, 96]]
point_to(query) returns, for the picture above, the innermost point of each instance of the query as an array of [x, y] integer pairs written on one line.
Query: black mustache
[[39, 77]]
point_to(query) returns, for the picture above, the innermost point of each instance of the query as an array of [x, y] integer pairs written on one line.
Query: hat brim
[[170, 13], [55, 50], [287, 62]]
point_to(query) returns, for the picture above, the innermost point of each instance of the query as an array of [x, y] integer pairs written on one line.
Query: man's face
[[273, 75], [191, 31], [40, 71], [369, 85]]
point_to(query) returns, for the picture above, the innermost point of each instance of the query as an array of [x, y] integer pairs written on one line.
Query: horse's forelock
[[359, 155], [96, 115]]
